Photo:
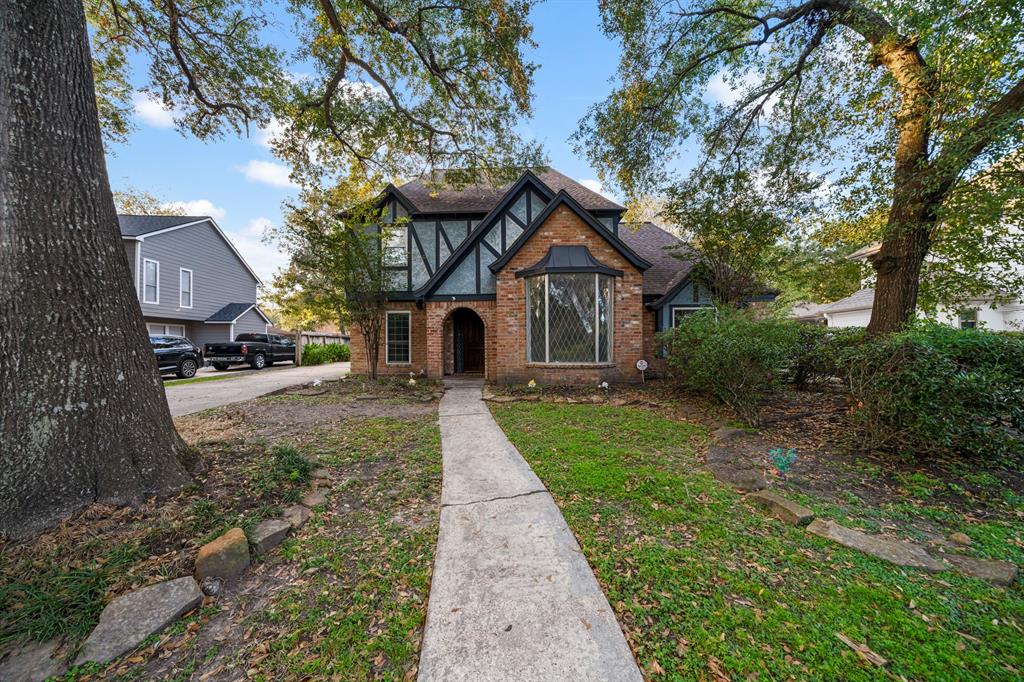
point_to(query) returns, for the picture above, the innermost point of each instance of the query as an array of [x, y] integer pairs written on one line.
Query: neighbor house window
[[569, 318], [185, 288], [150, 281], [968, 319], [397, 337], [396, 248]]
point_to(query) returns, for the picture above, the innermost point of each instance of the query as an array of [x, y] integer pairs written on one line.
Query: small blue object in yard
[[783, 459]]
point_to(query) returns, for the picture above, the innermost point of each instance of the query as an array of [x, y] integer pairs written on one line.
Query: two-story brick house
[[534, 280], [190, 279]]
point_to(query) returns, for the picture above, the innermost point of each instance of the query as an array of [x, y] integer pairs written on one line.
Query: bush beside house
[[928, 390], [314, 354]]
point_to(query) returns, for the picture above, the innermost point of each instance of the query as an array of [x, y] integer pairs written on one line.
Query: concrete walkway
[[512, 596], [248, 384]]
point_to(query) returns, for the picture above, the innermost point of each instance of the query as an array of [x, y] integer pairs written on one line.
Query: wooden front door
[[469, 342]]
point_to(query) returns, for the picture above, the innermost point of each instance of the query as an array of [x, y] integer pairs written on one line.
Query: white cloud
[[729, 93], [264, 258], [267, 172], [152, 110], [266, 135], [596, 186], [196, 207]]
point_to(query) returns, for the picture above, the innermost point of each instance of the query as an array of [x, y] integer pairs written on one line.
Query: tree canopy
[[900, 104], [373, 89]]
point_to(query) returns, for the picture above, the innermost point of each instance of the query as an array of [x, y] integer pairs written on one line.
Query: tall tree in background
[[403, 85], [905, 100]]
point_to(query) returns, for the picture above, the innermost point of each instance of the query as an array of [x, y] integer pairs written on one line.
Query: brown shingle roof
[[656, 246], [428, 197]]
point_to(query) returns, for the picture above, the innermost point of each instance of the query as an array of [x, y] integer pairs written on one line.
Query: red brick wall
[[418, 352], [437, 314], [565, 227]]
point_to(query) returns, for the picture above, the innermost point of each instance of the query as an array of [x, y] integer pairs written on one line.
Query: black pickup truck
[[256, 350]]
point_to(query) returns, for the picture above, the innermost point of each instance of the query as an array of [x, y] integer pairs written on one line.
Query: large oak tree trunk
[[82, 412]]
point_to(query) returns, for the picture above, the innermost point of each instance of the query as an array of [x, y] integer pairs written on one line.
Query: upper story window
[[396, 246], [150, 281], [398, 337], [184, 288], [569, 318]]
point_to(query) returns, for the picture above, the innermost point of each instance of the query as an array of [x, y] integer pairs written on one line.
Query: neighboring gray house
[[190, 280]]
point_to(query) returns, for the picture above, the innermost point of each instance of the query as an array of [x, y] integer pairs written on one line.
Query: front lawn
[[343, 598], [707, 587]]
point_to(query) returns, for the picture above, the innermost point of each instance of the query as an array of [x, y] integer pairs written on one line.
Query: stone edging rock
[[729, 462], [131, 618]]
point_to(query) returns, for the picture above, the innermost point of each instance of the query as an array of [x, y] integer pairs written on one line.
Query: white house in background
[[855, 310]]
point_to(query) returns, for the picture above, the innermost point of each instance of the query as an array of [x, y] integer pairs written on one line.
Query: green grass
[[199, 380], [359, 612], [53, 600], [700, 580]]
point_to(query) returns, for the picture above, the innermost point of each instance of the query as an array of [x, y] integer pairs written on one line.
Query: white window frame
[[145, 262], [191, 288], [672, 312], [387, 341], [392, 247], [597, 323]]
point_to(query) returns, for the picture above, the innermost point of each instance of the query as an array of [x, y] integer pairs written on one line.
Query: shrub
[[732, 356], [315, 354], [818, 352], [933, 389]]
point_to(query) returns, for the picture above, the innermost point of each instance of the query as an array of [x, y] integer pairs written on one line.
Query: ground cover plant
[[344, 597], [707, 587]]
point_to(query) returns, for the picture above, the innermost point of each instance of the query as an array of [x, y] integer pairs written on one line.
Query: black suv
[[176, 354]]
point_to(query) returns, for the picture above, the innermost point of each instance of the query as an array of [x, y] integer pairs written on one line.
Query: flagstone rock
[[33, 662], [226, 557], [742, 477], [784, 510], [314, 498], [1001, 573], [899, 552], [269, 534], [128, 620], [296, 515]]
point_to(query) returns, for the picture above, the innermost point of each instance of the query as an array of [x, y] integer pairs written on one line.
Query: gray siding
[[684, 297], [218, 275], [202, 333], [250, 323]]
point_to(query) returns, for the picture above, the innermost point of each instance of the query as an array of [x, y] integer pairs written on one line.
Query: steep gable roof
[[428, 194], [656, 246], [138, 225], [527, 179], [564, 199]]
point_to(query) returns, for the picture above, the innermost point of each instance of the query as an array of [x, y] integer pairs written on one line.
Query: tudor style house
[[535, 280], [190, 279]]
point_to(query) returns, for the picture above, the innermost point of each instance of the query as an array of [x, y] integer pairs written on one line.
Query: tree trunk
[[912, 214], [83, 416]]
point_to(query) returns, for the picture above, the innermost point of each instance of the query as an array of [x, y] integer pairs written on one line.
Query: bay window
[[569, 317]]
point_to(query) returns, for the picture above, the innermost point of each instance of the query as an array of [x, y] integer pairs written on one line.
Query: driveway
[[248, 384]]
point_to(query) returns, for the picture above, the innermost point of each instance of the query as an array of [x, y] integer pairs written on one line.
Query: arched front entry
[[466, 347]]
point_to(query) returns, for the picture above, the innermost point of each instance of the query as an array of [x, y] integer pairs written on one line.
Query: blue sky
[[239, 182]]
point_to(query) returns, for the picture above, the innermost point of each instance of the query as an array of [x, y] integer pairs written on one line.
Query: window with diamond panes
[[398, 337], [570, 318]]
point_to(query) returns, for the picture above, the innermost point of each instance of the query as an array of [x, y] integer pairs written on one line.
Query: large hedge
[[732, 356], [928, 390], [934, 389], [321, 354]]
